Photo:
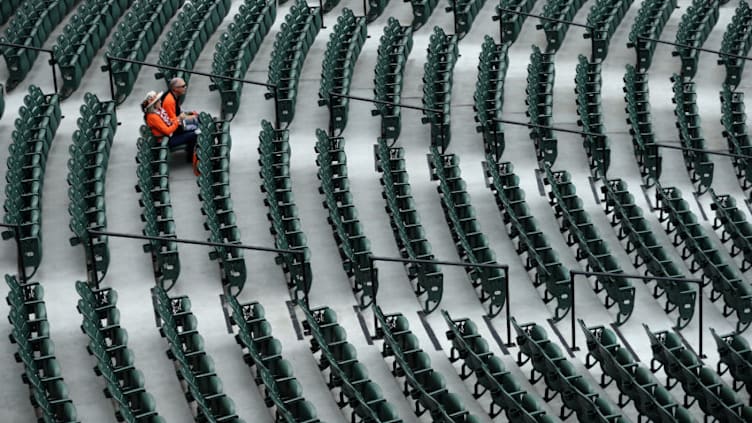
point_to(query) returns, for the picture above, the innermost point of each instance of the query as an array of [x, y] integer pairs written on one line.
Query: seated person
[[162, 126], [171, 103]]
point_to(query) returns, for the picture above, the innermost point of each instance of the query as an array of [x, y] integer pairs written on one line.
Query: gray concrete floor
[[130, 271]]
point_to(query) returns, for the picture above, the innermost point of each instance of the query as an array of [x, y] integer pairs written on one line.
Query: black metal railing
[[52, 61]]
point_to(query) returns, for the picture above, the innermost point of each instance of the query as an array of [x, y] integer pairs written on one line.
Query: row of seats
[[352, 243], [637, 98], [511, 23], [82, 38], [465, 12], [488, 99], [578, 229], [604, 18], [394, 48], [87, 171], [35, 128], [540, 104], [190, 32], [698, 163], [263, 353], [697, 247], [588, 98], [491, 375], [274, 160], [647, 251], [7, 9], [735, 228], [213, 154], [194, 367], [523, 229], [236, 49], [635, 382], [346, 374], [291, 47], [424, 385], [695, 27], [649, 23], [734, 121], [338, 67], [561, 377], [108, 343], [30, 330], [153, 174], [735, 357], [562, 10], [422, 10], [31, 25], [438, 76], [426, 279], [471, 244], [134, 38], [682, 365], [737, 40]]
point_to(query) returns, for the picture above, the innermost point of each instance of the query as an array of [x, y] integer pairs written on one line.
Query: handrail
[[52, 61]]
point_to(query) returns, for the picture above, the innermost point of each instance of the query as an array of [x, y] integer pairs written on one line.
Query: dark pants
[[184, 138]]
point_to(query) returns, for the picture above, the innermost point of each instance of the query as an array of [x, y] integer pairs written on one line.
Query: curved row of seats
[[394, 48], [7, 9], [698, 381], [735, 228], [30, 330], [465, 12], [108, 343], [578, 229], [511, 23], [134, 38], [438, 76], [31, 25], [213, 154], [346, 374], [263, 353], [588, 98], [490, 374], [734, 121], [699, 165], [35, 128], [694, 29], [737, 40], [649, 23], [274, 160], [735, 357], [604, 18], [637, 98], [352, 243], [488, 99], [194, 367], [647, 251], [423, 384], [338, 67], [426, 279], [636, 383], [153, 184], [697, 247], [523, 229], [561, 377], [87, 171], [195, 23], [562, 10], [540, 104], [469, 241], [82, 38], [291, 47], [236, 49]]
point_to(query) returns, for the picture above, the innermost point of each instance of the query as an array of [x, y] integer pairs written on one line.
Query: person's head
[[178, 86], [151, 102]]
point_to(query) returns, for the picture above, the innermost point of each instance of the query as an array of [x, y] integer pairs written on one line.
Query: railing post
[[111, 77], [20, 258], [277, 120], [508, 311], [572, 275], [93, 259], [53, 63]]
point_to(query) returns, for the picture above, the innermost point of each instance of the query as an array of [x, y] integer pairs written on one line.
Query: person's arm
[[157, 124]]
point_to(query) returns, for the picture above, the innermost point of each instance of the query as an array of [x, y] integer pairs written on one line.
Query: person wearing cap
[[162, 126], [171, 104]]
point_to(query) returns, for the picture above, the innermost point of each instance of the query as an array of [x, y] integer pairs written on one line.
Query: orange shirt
[[159, 127], [169, 104]]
